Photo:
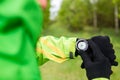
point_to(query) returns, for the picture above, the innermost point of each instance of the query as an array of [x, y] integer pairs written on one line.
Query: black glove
[[97, 67], [106, 47], [103, 42]]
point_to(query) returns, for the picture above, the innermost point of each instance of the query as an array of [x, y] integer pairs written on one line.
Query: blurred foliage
[[73, 14], [116, 1], [76, 14], [105, 13]]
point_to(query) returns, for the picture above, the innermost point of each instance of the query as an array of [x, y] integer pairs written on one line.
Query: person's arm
[[55, 49]]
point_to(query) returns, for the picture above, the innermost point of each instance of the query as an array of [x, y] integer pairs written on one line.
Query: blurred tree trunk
[[94, 4], [116, 19]]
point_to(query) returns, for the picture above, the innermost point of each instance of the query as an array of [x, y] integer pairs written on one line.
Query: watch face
[[82, 44]]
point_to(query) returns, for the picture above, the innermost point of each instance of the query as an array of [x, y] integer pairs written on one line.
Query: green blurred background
[[84, 19]]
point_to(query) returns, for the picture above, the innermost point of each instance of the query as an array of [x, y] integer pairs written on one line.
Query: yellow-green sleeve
[[100, 79], [55, 49]]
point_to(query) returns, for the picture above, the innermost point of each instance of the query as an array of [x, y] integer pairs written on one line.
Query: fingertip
[[107, 38], [115, 63]]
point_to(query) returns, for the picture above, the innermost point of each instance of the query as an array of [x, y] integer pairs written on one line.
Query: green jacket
[[20, 26]]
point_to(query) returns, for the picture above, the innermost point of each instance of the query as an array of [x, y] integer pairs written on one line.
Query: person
[[20, 28]]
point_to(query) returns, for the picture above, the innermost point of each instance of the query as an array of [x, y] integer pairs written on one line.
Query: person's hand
[[106, 47], [43, 3], [97, 67], [103, 42]]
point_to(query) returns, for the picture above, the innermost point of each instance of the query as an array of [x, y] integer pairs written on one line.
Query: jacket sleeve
[[100, 79], [55, 49]]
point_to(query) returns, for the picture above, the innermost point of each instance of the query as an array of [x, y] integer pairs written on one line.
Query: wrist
[[100, 79]]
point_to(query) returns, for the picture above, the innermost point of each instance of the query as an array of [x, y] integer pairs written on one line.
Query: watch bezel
[[82, 40]]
